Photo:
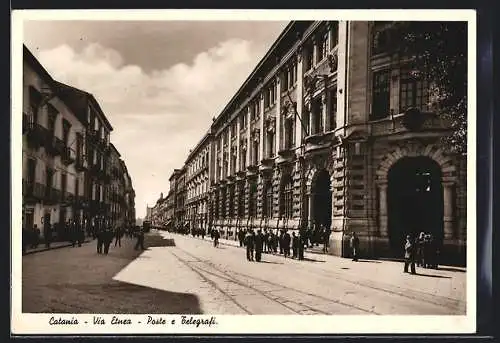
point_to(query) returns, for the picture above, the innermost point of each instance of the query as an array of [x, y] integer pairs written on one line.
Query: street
[[182, 274]]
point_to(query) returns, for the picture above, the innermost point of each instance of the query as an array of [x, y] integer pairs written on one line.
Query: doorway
[[415, 201], [322, 197]]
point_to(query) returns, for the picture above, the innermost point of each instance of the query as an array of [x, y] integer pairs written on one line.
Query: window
[[267, 208], [31, 171], [381, 94], [413, 91], [231, 201], [243, 158], [289, 133], [50, 177], [252, 204], [243, 120], [333, 109], [241, 199], [317, 124], [34, 100], [64, 182], [286, 203], [270, 144], [381, 37], [66, 128], [309, 57], [255, 153], [284, 80], [334, 34], [52, 114], [322, 47]]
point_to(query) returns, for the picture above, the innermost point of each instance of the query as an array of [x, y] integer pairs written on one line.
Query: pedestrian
[[80, 233], [259, 240], [108, 238], [241, 237], [286, 244], [118, 237], [409, 255], [265, 239], [100, 239], [216, 238], [326, 239], [420, 249], [302, 242], [295, 245], [203, 234], [354, 243], [140, 239], [47, 234], [249, 244]]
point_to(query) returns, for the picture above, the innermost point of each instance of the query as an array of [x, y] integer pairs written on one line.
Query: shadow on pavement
[[451, 269], [369, 261], [312, 260], [155, 240], [435, 276], [270, 262]]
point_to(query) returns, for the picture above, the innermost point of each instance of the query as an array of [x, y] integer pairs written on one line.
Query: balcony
[[52, 195], [267, 163], [54, 145], [68, 156], [285, 155], [317, 142], [33, 191], [80, 164], [93, 135], [36, 134]]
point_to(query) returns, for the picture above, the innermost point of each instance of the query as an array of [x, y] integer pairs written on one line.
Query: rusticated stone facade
[[330, 130]]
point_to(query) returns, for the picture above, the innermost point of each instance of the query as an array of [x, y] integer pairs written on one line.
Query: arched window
[[286, 198]]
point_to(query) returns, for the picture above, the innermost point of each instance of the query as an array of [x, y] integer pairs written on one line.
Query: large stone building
[[198, 185], [330, 130], [66, 149]]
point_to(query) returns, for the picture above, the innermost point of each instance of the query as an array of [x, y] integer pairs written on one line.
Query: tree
[[439, 51]]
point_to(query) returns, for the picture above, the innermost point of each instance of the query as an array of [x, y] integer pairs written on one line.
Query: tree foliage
[[439, 51]]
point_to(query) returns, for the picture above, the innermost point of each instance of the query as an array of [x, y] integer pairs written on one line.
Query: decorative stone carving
[[332, 62]]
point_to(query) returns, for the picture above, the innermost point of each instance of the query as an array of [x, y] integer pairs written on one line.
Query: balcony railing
[[33, 191], [54, 145], [80, 164], [52, 195], [36, 133], [68, 156]]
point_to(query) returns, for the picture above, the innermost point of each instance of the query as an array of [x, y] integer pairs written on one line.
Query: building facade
[[66, 154], [197, 185], [331, 130], [53, 150]]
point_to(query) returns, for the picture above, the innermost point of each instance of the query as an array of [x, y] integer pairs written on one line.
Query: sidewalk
[[54, 245]]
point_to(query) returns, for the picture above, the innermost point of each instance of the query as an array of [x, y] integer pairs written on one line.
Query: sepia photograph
[[191, 171]]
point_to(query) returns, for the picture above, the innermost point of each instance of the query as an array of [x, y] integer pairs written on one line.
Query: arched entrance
[[415, 200], [322, 199]]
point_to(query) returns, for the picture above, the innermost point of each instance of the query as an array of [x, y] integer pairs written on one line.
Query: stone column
[[382, 188], [278, 114], [249, 142], [229, 155], [299, 96], [238, 128], [311, 209], [448, 210], [261, 126], [324, 100]]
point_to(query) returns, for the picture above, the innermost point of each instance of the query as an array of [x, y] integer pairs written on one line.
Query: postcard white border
[[26, 323]]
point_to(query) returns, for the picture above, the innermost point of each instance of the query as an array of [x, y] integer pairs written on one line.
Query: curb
[[51, 248]]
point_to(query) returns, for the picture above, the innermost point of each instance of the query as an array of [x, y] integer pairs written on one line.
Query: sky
[[159, 83]]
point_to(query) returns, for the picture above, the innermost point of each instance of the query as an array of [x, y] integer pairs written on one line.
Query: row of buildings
[[72, 173], [329, 130]]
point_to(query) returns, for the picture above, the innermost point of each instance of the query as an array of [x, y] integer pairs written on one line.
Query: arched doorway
[[415, 200], [322, 199]]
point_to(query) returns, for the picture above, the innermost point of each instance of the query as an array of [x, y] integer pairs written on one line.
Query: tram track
[[433, 299], [214, 271]]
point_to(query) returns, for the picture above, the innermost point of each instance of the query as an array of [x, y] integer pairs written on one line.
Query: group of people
[[69, 231], [422, 251], [106, 235], [266, 241]]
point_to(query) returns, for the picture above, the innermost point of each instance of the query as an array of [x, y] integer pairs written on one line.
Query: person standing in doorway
[[354, 243], [409, 255]]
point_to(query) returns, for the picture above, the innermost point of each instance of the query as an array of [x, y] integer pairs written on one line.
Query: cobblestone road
[[180, 274]]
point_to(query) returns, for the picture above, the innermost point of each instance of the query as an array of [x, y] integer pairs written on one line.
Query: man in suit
[[409, 255]]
